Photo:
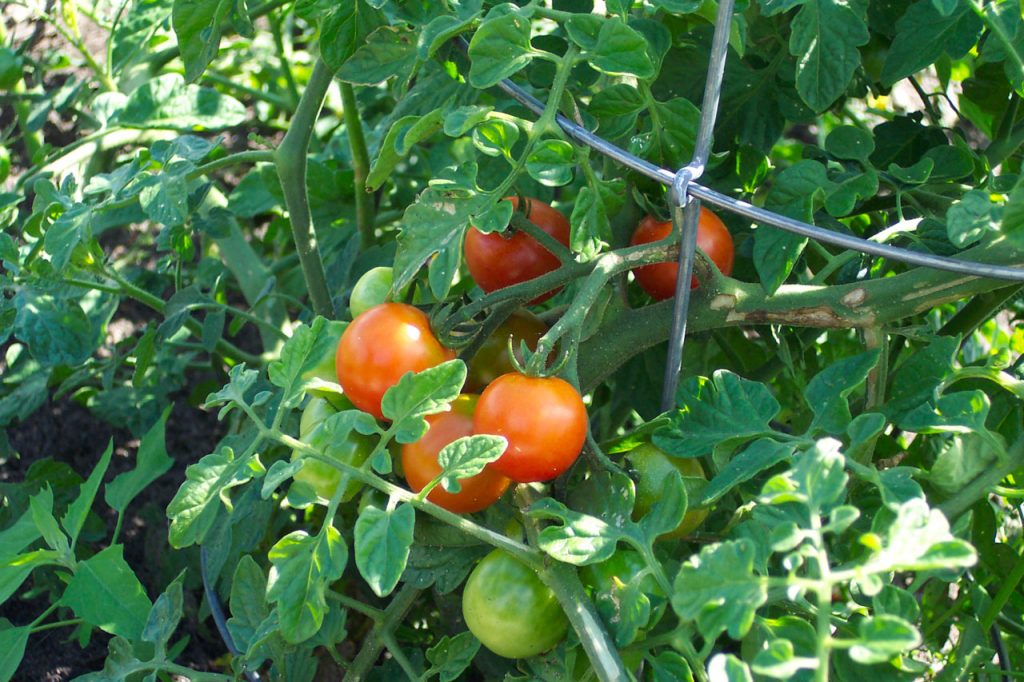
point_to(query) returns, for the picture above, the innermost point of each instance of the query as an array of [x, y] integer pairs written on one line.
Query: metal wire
[[760, 215], [217, 611], [686, 212]]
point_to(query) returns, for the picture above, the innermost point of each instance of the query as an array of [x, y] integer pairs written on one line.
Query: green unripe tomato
[[11, 68], [373, 288], [492, 359], [654, 467], [509, 609], [354, 450], [5, 163]]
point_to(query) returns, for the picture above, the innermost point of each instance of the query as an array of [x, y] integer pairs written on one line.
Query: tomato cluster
[[713, 238]]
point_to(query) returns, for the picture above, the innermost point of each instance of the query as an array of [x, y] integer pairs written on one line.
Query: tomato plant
[[379, 347], [713, 238], [509, 609], [543, 419], [498, 260], [420, 465], [321, 476], [653, 467], [492, 358]]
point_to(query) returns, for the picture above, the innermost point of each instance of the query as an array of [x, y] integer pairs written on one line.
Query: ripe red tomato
[[543, 419], [509, 609], [381, 345], [492, 360], [419, 461], [498, 260], [713, 238]]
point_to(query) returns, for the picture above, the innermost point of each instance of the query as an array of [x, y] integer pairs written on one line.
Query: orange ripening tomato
[[713, 238], [542, 418], [500, 260], [419, 461], [381, 345]]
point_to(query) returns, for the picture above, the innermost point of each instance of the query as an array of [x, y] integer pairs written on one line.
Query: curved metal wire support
[[760, 215]]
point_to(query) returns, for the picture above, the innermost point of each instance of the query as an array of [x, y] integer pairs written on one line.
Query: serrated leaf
[[389, 51], [418, 395], [400, 138], [923, 34], [970, 219], [302, 568], [207, 483], [551, 163], [824, 39], [579, 539], [165, 615], [817, 479], [719, 589], [345, 29], [760, 455], [383, 540], [105, 593], [248, 605], [718, 412], [827, 392], [467, 456], [452, 655], [167, 102]]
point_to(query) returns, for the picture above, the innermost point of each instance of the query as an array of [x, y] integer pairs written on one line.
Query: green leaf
[[345, 29], [551, 163], [817, 479], [882, 637], [167, 102], [12, 649], [417, 395], [383, 539], [441, 29], [923, 34], [248, 603], [195, 507], [618, 99], [496, 137], [233, 393], [797, 191], [41, 508], [668, 666], [961, 459], [164, 199], [402, 135], [590, 227], [56, 331], [467, 456], [16, 569], [825, 36], [668, 512], [300, 358], [74, 518], [677, 121], [850, 143], [919, 539], [717, 413], [69, 230], [760, 455], [970, 218], [579, 540], [916, 381], [895, 601], [848, 189], [728, 668], [165, 615], [620, 51], [461, 120], [780, 662], [105, 593], [827, 392], [499, 48], [452, 655], [389, 51], [961, 412], [23, 532], [719, 589], [303, 566], [197, 25]]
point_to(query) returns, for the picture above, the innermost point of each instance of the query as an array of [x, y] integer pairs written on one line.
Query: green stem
[[356, 605], [527, 555], [224, 347], [823, 593], [396, 652], [1006, 590], [56, 625], [557, 248], [284, 55], [291, 168], [393, 615], [360, 165]]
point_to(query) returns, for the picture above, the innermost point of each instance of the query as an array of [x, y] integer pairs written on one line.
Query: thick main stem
[[291, 161]]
